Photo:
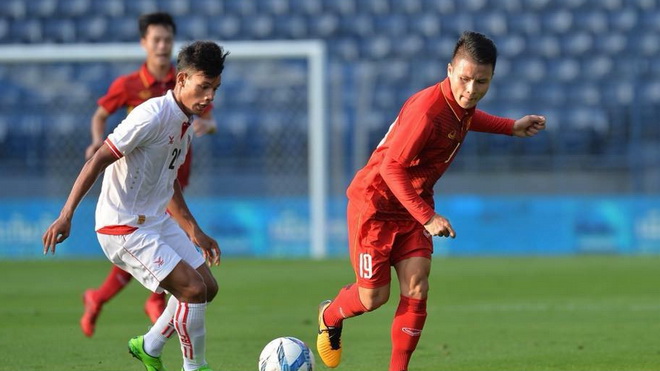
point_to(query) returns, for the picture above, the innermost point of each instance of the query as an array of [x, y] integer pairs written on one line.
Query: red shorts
[[376, 245]]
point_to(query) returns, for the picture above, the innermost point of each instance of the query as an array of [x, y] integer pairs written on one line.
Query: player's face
[[158, 42], [469, 81], [197, 91]]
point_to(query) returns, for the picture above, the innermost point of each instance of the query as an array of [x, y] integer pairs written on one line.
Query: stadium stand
[[584, 63]]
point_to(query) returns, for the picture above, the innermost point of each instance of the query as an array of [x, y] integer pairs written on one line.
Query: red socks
[[114, 282], [347, 304], [406, 329]]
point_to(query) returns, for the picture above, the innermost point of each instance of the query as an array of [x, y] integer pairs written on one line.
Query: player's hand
[[56, 233], [528, 126], [91, 149], [440, 226], [209, 247], [202, 126]]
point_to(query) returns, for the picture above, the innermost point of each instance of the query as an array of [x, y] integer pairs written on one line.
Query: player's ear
[[181, 78], [450, 68]]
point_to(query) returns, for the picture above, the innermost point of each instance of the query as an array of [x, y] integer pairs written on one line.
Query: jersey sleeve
[[487, 123], [115, 97], [133, 131], [409, 136]]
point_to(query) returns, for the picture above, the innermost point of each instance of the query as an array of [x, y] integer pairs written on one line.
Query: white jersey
[[150, 143]]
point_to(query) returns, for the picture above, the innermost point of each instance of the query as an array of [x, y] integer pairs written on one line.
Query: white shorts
[[151, 252]]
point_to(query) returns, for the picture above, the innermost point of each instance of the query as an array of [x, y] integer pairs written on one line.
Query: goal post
[[312, 51]]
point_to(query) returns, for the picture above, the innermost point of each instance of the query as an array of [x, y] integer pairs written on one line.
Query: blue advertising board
[[492, 225]]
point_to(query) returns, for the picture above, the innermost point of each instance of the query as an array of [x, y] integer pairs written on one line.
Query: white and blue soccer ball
[[286, 354]]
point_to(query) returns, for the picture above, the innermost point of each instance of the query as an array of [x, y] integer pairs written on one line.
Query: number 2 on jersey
[[366, 266], [175, 154]]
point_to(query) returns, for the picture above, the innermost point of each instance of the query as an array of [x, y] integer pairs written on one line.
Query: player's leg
[[369, 245], [413, 265], [93, 299], [193, 285]]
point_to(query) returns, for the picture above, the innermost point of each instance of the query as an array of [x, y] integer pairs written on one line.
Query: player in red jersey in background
[[390, 214], [154, 78]]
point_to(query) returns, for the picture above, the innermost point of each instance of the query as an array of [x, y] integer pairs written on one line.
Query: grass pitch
[[568, 313]]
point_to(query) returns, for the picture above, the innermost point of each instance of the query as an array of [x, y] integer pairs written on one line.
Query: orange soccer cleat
[[328, 341]]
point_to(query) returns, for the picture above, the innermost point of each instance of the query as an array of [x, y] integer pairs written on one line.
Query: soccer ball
[[286, 354]]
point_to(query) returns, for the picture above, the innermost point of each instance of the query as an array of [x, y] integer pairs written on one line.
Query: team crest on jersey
[[452, 135], [144, 94], [171, 139]]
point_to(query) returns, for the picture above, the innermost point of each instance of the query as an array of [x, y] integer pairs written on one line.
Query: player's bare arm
[[438, 225], [528, 126], [179, 210], [61, 227], [99, 120]]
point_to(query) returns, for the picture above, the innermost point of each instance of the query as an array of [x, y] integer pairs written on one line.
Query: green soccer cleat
[[136, 348], [203, 368]]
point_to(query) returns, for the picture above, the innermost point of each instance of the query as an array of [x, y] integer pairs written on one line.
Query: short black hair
[[158, 18], [477, 47], [203, 56]]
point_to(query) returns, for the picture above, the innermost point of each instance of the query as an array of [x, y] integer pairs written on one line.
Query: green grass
[[572, 313]]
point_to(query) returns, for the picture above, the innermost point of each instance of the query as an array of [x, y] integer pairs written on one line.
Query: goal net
[[258, 183]]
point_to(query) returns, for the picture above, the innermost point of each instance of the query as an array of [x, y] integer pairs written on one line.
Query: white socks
[[189, 322], [162, 330]]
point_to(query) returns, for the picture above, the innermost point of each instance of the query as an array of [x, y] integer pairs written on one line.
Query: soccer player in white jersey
[[142, 221]]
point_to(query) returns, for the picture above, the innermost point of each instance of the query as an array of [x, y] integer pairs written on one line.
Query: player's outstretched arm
[[178, 208], [528, 126], [61, 227]]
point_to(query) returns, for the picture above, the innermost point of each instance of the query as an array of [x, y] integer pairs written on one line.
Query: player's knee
[[211, 289], [374, 299], [194, 292], [418, 289]]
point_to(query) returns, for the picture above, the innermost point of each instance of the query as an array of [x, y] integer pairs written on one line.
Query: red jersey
[[397, 182], [133, 89]]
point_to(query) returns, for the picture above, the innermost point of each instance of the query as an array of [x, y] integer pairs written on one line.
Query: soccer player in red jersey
[[154, 78], [391, 215]]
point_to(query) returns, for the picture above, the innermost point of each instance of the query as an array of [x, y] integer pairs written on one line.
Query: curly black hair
[[202, 56]]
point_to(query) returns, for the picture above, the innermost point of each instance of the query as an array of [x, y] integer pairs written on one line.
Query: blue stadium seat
[[557, 21], [510, 46], [260, 26], [347, 49], [91, 29], [73, 8], [43, 8], [177, 8], [275, 7], [123, 29], [4, 30], [226, 27], [427, 25], [391, 25], [28, 31], [547, 46], [564, 69], [360, 26], [293, 26], [210, 8], [14, 9], [612, 43], [193, 27], [323, 26], [577, 43], [307, 7], [594, 21], [442, 8], [494, 24], [60, 30], [646, 44], [524, 23], [136, 8], [107, 8], [597, 67]]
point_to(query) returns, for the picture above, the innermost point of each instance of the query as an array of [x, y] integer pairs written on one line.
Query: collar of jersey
[[148, 79]]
